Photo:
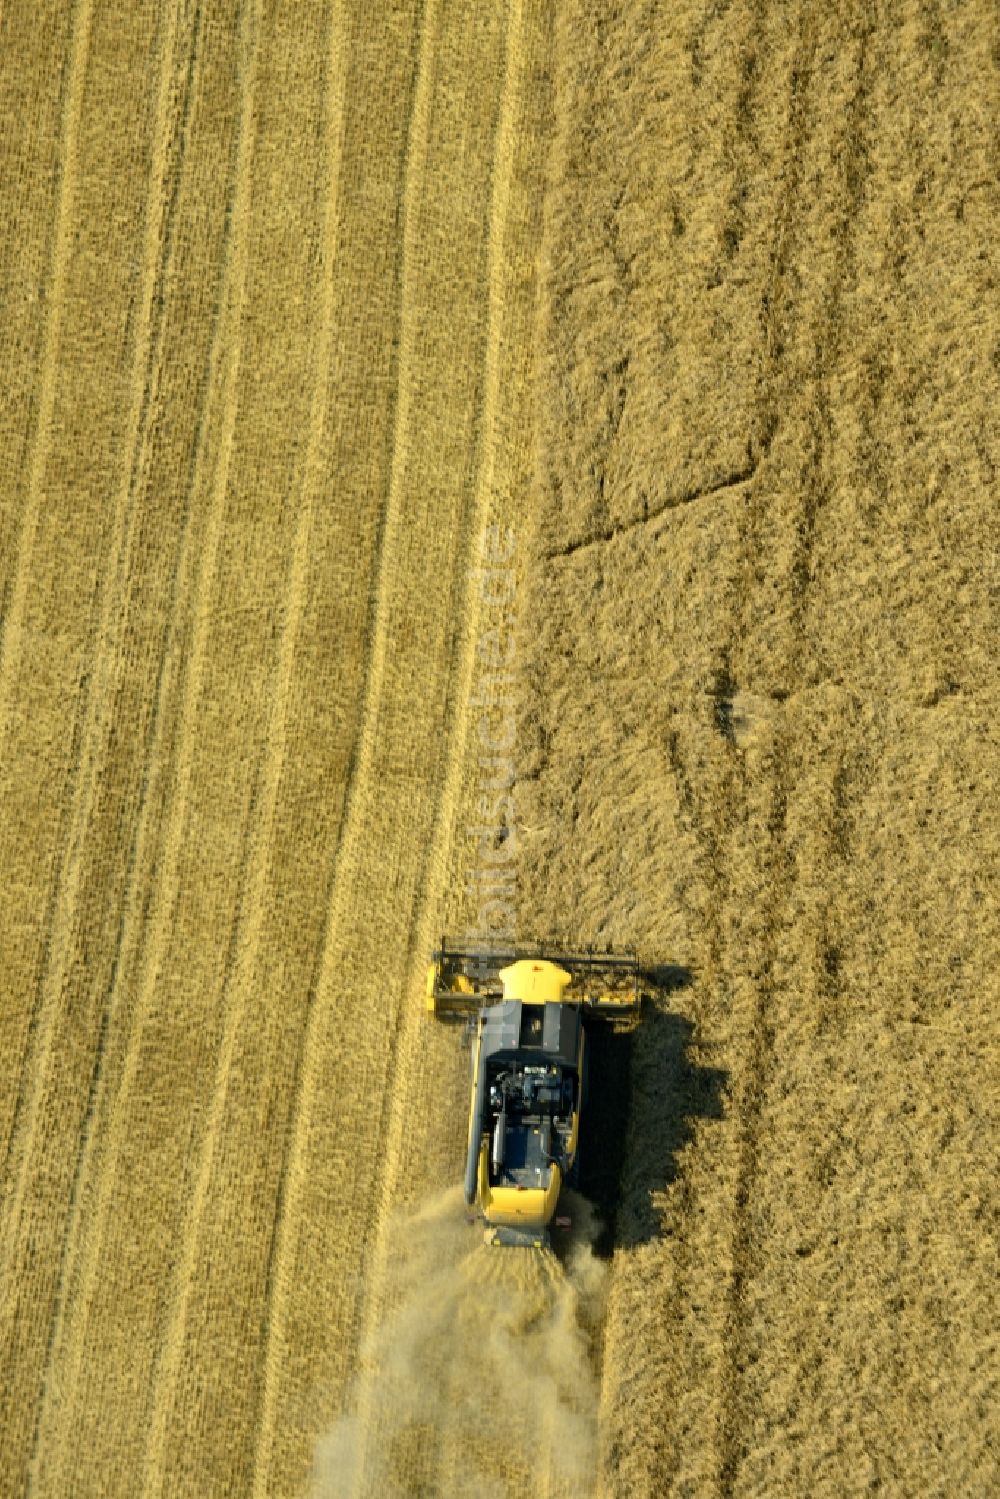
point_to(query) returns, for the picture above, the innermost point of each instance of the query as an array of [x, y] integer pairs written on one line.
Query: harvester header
[[462, 979]]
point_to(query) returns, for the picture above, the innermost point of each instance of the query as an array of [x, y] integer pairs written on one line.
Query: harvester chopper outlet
[[531, 1008]]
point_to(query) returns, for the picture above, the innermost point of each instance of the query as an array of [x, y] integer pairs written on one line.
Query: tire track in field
[[777, 308], [155, 924], [733, 1417], [407, 1043], [776, 319], [288, 1211], [11, 626], [160, 242], [735, 1413], [91, 731], [239, 969], [11, 622], [30, 156], [88, 743], [815, 484]]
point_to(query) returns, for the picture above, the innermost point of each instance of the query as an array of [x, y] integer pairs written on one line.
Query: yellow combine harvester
[[531, 1007]]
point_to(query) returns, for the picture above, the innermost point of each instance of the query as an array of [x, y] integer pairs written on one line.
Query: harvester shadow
[[645, 1089]]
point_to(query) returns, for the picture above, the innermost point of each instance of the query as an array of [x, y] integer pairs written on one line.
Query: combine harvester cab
[[530, 1009]]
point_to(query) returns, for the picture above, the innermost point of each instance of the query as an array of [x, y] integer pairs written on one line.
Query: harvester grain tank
[[531, 1008]]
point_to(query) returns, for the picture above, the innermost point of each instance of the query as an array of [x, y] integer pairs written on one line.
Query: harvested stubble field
[[682, 320]]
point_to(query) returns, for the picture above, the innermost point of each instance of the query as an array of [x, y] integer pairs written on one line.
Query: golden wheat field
[[518, 463]]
